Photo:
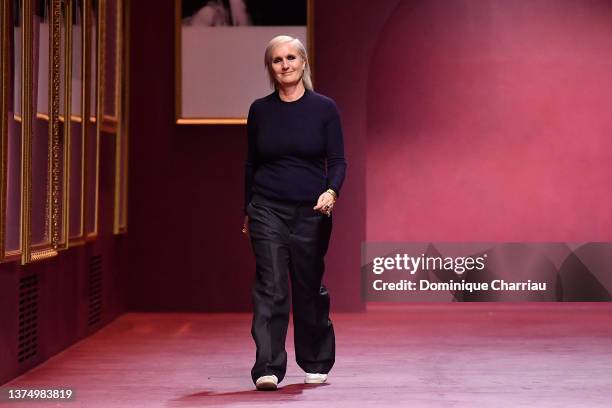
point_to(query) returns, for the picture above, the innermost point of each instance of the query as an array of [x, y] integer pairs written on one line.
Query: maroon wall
[[186, 182], [346, 33], [490, 121], [186, 187]]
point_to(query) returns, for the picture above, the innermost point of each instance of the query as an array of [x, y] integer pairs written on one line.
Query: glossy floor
[[442, 355]]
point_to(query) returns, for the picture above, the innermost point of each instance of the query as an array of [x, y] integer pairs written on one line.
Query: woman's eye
[[291, 57], [276, 60]]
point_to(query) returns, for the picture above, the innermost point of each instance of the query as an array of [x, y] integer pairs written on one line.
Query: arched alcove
[[490, 120]]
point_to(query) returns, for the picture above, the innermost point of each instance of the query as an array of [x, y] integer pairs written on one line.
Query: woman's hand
[[245, 226], [325, 204]]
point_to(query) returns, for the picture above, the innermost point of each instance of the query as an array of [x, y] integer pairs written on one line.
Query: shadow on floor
[[286, 393]]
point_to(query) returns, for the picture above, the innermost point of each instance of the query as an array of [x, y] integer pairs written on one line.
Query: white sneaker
[[266, 383], [315, 378]]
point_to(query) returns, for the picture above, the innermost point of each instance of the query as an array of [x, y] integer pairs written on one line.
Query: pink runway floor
[[443, 355]]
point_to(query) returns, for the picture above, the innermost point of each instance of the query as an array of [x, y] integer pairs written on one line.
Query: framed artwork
[[14, 99], [111, 64], [51, 105], [219, 67], [42, 133], [4, 63], [60, 170], [93, 50], [16, 53], [12, 37], [30, 100], [122, 106], [76, 126]]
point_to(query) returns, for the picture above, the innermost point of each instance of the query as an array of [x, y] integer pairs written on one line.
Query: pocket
[[254, 208]]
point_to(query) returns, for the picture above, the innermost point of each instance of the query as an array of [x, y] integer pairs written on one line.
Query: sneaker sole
[[266, 386], [315, 381]]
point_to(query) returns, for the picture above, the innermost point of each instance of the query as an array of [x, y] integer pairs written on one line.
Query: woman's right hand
[[245, 226]]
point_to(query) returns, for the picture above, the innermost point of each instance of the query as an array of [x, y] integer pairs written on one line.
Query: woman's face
[[287, 65]]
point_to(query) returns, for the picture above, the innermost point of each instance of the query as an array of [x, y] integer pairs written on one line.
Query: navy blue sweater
[[295, 149]]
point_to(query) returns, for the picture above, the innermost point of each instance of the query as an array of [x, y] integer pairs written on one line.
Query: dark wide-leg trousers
[[290, 239]]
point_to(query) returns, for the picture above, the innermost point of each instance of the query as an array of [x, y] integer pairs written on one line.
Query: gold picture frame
[[111, 120], [94, 83], [12, 145], [61, 174], [4, 87], [76, 162], [60, 201], [44, 248], [257, 71], [121, 140]]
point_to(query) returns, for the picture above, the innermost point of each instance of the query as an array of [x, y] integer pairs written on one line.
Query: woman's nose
[[285, 64]]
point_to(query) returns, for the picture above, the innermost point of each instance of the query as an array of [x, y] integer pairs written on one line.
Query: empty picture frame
[[76, 129], [94, 12], [111, 64], [11, 37], [219, 67], [120, 223], [43, 133], [60, 171]]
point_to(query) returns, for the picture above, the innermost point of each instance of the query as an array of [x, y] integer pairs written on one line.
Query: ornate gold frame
[[99, 84], [58, 222], [79, 239], [122, 107], [179, 120], [111, 123], [4, 58], [26, 128], [29, 252], [61, 232], [14, 254]]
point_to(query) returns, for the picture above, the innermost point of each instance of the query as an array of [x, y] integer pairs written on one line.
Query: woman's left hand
[[325, 204]]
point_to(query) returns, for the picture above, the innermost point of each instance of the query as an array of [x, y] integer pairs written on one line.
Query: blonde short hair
[[301, 50]]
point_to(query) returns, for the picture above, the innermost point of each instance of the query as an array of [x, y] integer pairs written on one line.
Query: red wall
[[186, 251], [490, 120]]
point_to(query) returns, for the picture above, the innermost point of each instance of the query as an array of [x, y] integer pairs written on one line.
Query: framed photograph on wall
[[43, 135], [94, 95], [120, 223], [219, 67], [111, 64], [77, 126], [11, 160]]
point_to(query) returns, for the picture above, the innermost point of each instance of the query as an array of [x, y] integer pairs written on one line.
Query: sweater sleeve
[[251, 160], [336, 164]]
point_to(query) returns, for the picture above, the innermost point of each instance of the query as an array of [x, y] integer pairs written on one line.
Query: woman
[[294, 171]]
